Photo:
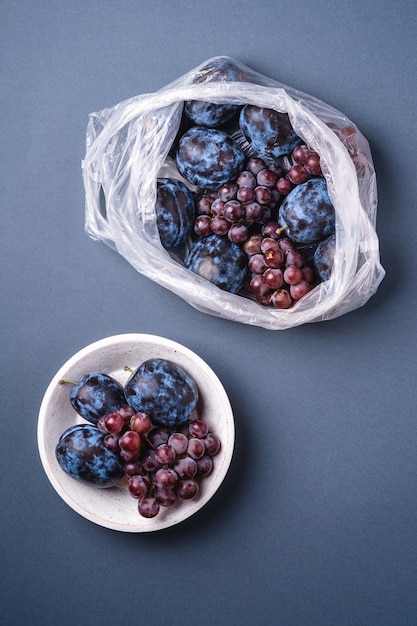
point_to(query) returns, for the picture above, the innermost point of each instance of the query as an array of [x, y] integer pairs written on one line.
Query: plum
[[269, 132], [210, 114], [208, 157], [324, 256], [163, 390], [175, 209], [220, 261], [307, 212], [95, 395], [222, 69], [81, 454]]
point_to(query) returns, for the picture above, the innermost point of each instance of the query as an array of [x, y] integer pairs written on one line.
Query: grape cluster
[[280, 275], [239, 204], [163, 464]]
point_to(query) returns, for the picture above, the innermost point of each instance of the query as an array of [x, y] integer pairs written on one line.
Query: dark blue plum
[[220, 261], [269, 132], [163, 390], [210, 114], [81, 453], [95, 395], [208, 157], [222, 69], [324, 256], [175, 210], [307, 212]]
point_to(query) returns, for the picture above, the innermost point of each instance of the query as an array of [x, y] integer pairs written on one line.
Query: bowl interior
[[114, 508]]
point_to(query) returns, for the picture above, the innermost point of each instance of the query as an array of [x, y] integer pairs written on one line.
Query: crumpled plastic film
[[127, 148]]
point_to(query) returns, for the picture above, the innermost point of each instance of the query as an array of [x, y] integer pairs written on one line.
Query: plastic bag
[[128, 148]]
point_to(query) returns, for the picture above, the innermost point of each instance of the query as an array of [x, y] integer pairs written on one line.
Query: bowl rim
[[120, 340]]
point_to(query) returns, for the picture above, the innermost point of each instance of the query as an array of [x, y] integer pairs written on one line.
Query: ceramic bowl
[[115, 508]]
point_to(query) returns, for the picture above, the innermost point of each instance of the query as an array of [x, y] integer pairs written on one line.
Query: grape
[[269, 132], [300, 289], [149, 461], [219, 261], [204, 465], [245, 195], [196, 448], [270, 243], [300, 154], [297, 174], [247, 178], [186, 467], [203, 204], [257, 264], [227, 191], [313, 165], [253, 212], [138, 486], [269, 230], [217, 206], [253, 245], [232, 210], [130, 441], [292, 275], [198, 428], [129, 456], [255, 165], [238, 233], [258, 286], [82, 454], [126, 412], [220, 225], [273, 278], [148, 507], [162, 389], [179, 442], [263, 194], [159, 435], [140, 423], [165, 454], [113, 422], [165, 496], [175, 210], [202, 225], [96, 395], [209, 114], [294, 257], [208, 158], [166, 477], [324, 257], [134, 468], [212, 444], [266, 178], [273, 258], [308, 212], [111, 441], [281, 299], [284, 185], [187, 488]]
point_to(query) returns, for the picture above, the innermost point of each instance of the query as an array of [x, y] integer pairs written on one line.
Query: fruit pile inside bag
[[258, 202]]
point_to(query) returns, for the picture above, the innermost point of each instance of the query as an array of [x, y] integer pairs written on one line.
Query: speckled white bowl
[[114, 508]]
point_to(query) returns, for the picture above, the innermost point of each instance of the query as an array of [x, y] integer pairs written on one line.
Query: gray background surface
[[316, 522]]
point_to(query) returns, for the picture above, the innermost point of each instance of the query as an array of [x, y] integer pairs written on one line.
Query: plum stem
[[63, 381], [129, 369], [280, 230]]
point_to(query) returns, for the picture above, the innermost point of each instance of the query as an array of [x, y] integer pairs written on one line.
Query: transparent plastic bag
[[128, 148]]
